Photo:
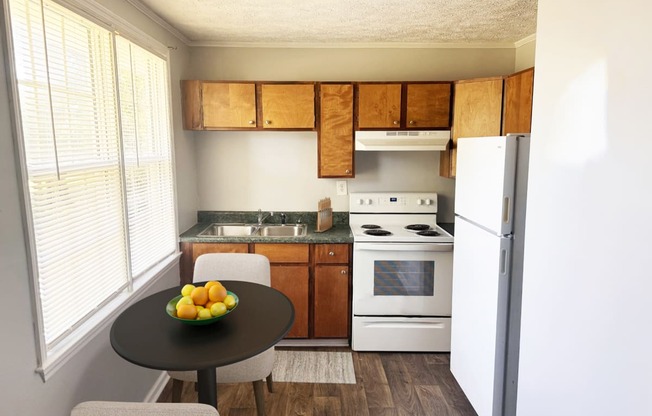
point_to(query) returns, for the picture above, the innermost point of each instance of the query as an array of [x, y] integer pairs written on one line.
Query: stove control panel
[[400, 202]]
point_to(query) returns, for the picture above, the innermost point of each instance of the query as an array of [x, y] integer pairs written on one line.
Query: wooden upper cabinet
[[335, 138], [428, 105], [477, 112], [228, 105], [288, 106], [478, 108], [379, 106], [517, 111]]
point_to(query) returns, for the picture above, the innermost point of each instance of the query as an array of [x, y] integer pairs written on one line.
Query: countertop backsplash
[[251, 217]]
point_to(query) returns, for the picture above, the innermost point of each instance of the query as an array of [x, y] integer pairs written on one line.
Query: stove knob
[[368, 201], [419, 201], [360, 201], [428, 201]]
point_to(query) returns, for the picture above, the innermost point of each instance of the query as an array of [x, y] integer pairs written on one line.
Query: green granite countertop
[[339, 233]]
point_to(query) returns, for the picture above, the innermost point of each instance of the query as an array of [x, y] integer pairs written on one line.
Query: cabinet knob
[[252, 122], [412, 122], [330, 253], [342, 271], [268, 121], [395, 122], [348, 171]]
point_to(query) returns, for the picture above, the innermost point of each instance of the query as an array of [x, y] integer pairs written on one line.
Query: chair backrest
[[232, 266]]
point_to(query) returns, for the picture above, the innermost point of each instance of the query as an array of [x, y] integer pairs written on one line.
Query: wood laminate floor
[[395, 384]]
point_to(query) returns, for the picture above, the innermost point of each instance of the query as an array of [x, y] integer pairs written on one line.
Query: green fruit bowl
[[171, 309]]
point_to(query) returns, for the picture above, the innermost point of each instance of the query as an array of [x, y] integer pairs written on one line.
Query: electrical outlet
[[341, 187]]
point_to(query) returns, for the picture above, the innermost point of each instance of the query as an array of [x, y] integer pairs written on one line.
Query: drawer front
[[284, 253], [203, 248], [332, 253]]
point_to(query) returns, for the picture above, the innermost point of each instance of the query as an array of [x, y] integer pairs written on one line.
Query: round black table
[[146, 335]]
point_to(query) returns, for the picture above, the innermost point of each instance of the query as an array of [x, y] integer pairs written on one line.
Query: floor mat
[[314, 367]]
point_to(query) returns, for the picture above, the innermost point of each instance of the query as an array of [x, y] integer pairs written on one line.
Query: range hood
[[401, 140]]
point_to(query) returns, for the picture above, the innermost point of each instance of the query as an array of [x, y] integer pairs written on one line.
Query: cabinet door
[[517, 111], [293, 282], [476, 112], [335, 140], [428, 105], [331, 302], [379, 106], [229, 105], [288, 106]]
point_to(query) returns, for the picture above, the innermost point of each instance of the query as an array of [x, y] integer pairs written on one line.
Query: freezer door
[[484, 185], [479, 315]]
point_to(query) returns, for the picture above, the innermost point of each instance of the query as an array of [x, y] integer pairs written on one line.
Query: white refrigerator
[[490, 196]]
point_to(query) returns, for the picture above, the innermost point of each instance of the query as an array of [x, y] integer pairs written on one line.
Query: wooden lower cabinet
[[315, 277], [290, 269], [294, 282], [331, 301]]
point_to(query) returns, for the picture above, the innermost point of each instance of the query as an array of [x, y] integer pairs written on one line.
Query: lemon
[[204, 314], [229, 301], [186, 300], [187, 289], [218, 309]]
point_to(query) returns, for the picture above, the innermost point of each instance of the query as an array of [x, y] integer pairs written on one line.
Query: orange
[[187, 312], [199, 295], [217, 293], [211, 283], [209, 304]]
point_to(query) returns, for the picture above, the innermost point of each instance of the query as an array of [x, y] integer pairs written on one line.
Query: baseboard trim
[[156, 390], [314, 343]]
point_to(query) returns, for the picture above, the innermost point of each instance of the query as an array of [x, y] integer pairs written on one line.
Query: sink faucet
[[262, 217], [283, 218]]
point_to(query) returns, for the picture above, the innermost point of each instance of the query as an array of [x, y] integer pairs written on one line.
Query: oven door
[[402, 279]]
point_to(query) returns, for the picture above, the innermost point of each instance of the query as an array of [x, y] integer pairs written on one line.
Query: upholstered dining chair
[[243, 267], [103, 408]]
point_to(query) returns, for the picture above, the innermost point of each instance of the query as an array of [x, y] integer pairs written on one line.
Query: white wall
[[278, 171], [524, 55], [587, 311], [97, 372]]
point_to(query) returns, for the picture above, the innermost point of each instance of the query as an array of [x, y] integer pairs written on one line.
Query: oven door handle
[[405, 247]]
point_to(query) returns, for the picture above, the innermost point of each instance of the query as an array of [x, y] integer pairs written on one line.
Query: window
[[95, 145]]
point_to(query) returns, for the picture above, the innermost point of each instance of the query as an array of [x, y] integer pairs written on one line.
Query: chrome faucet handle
[[283, 218]]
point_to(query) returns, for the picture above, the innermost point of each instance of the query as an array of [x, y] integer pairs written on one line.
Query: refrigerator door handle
[[503, 261], [506, 210]]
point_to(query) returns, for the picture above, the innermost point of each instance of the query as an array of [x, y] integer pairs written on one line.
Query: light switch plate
[[341, 188]]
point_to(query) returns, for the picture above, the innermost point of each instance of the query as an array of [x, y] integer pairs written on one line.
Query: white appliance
[[402, 273], [490, 196]]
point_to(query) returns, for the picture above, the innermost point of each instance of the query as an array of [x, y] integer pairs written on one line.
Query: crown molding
[[353, 45], [159, 20], [525, 40]]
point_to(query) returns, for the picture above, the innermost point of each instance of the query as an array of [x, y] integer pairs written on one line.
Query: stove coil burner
[[417, 227], [377, 232], [428, 233], [370, 226]]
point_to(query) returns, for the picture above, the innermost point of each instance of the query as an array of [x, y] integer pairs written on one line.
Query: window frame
[[50, 360]]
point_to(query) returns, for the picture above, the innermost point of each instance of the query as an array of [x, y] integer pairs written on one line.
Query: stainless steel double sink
[[254, 230]]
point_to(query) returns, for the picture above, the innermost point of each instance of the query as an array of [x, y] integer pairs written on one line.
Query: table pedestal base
[[207, 386]]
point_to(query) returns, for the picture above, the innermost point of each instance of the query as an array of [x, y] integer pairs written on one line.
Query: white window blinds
[[95, 125]]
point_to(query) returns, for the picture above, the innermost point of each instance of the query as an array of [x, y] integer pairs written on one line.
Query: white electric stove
[[402, 273]]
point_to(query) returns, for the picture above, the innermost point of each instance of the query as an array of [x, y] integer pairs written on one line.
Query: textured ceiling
[[477, 22]]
